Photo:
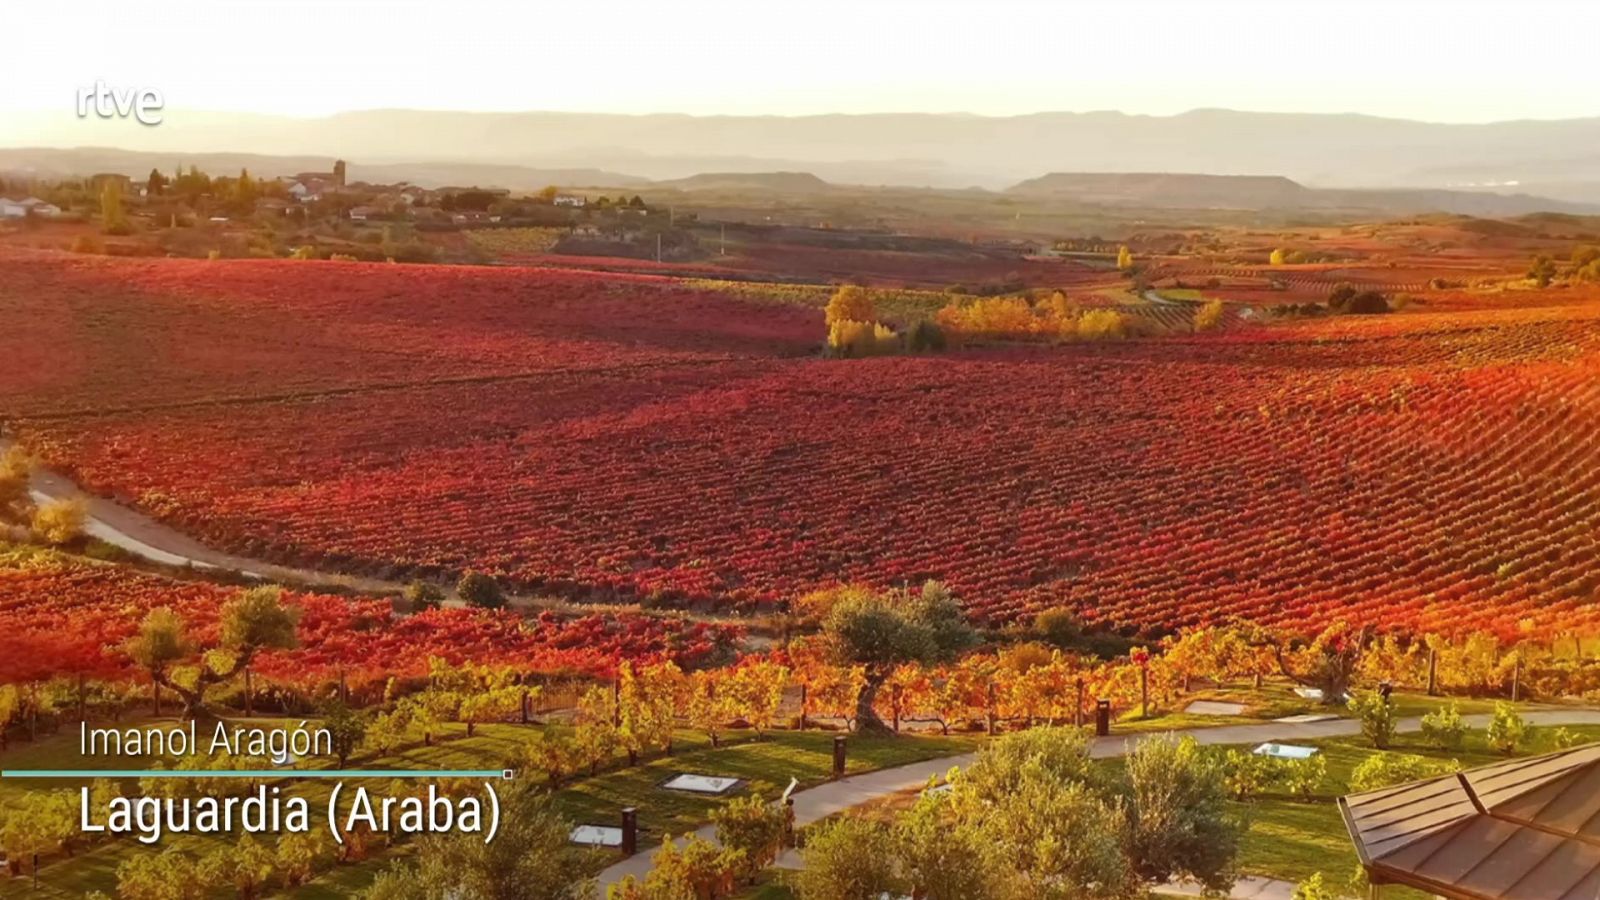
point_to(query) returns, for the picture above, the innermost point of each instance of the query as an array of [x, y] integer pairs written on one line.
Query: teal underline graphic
[[252, 773]]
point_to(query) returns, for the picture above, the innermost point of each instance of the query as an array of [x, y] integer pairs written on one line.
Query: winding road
[[147, 539]]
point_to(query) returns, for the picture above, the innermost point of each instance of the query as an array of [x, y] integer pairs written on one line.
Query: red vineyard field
[[59, 616], [90, 333], [1438, 470]]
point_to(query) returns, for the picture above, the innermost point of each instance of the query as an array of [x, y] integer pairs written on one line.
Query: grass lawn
[[1277, 699], [1290, 839]]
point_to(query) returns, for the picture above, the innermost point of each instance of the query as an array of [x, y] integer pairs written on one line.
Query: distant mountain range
[[1258, 192], [1558, 159]]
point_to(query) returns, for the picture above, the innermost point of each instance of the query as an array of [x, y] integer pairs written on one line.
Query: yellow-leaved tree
[[850, 303]]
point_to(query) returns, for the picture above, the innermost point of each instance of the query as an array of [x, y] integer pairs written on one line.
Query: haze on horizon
[[1462, 62]]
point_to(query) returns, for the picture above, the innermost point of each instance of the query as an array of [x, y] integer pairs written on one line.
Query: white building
[[17, 209]]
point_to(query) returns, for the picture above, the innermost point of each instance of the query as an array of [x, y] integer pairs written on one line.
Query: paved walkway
[[829, 798]]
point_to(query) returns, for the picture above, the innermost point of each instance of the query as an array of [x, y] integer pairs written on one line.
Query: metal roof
[[1524, 829]]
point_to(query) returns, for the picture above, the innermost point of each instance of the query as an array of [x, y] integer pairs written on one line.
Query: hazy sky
[[1458, 61]]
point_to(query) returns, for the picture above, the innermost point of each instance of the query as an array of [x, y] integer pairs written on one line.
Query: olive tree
[[883, 631]]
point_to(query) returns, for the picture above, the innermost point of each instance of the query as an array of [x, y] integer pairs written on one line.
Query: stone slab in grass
[[1306, 718], [1285, 751], [700, 784], [597, 836], [1214, 708]]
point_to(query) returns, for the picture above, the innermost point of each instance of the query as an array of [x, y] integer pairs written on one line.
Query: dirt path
[[150, 540], [824, 800]]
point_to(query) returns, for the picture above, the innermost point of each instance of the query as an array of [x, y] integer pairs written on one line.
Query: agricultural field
[[639, 438], [66, 616]]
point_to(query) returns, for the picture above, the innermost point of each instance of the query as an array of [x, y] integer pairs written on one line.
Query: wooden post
[[1433, 672], [1077, 709], [630, 831], [989, 711], [804, 691], [838, 755], [1144, 692], [894, 706], [1516, 679], [1102, 717], [616, 702], [344, 689], [788, 821]]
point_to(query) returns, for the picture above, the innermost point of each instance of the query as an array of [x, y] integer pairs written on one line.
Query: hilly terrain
[[1171, 190], [936, 150]]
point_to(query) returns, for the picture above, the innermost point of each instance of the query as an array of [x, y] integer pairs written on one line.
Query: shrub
[[1178, 821], [1507, 730], [1303, 777], [478, 589], [343, 257], [1367, 303], [305, 251], [1313, 889], [60, 521], [1247, 774], [213, 254], [1564, 739], [1382, 770], [1102, 324], [844, 860], [848, 339], [424, 595], [87, 243], [1377, 717], [1208, 316], [754, 828], [1444, 729], [925, 337]]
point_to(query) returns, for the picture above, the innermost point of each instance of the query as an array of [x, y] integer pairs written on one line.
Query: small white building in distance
[[17, 209]]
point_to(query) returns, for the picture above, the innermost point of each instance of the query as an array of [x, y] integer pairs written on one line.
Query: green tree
[[244, 191], [478, 589], [346, 729], [882, 631], [254, 620], [1542, 270], [112, 218]]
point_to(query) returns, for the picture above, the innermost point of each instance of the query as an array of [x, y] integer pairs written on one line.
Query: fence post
[[838, 755], [630, 831], [1102, 717]]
